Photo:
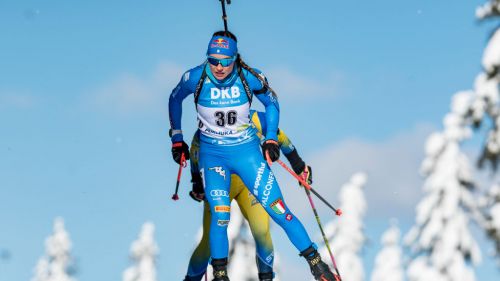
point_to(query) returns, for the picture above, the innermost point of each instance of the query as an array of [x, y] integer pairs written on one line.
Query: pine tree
[[486, 107], [487, 95], [441, 242], [143, 252], [345, 233], [489, 218], [57, 263], [388, 263]]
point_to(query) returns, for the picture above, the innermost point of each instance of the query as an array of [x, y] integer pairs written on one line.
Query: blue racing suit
[[229, 145]]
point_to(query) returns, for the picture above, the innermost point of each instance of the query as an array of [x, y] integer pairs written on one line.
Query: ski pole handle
[[183, 164], [268, 159]]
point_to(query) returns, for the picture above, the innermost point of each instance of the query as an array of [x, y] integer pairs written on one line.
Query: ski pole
[[337, 277], [338, 212], [224, 16], [183, 163]]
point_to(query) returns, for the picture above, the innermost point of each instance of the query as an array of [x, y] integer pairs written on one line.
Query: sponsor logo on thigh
[[222, 209], [267, 189], [217, 194]]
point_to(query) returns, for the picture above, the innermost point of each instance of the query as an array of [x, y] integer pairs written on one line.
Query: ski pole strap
[[268, 159]]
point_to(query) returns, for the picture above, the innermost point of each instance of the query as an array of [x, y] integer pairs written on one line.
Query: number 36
[[228, 118]]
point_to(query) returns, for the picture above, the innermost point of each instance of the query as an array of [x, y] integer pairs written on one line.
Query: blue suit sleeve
[[270, 102], [183, 89], [262, 118]]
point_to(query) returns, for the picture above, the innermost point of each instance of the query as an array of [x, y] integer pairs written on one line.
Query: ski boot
[[267, 276], [220, 269], [319, 269]]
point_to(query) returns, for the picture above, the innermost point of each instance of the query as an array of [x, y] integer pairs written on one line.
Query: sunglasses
[[224, 62]]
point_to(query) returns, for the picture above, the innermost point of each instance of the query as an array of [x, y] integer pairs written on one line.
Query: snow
[[42, 270], [488, 9], [388, 262], [242, 265], [440, 240], [491, 55], [143, 252], [345, 233], [487, 90], [495, 216], [55, 265], [460, 103], [242, 249]]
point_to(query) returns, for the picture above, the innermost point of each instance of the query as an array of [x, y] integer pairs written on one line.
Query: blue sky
[[83, 119]]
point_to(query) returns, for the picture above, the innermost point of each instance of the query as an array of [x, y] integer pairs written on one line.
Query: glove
[[306, 174], [273, 148], [198, 192], [177, 149], [299, 166]]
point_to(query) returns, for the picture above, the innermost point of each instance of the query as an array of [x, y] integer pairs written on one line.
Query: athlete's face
[[221, 72]]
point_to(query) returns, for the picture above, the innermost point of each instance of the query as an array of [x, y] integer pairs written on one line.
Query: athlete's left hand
[[307, 175], [271, 147]]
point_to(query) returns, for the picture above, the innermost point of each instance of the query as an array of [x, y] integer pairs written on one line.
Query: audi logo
[[219, 193]]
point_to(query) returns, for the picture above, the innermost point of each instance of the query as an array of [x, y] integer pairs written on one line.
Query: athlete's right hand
[[178, 148], [198, 192]]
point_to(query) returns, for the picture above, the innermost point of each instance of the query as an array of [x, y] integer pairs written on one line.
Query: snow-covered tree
[[389, 261], [143, 252], [440, 240], [489, 216], [486, 108], [485, 105], [493, 218], [56, 264], [345, 233]]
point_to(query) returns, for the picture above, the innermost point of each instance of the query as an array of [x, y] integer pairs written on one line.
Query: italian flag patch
[[278, 207]]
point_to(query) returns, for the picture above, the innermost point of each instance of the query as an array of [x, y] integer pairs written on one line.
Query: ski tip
[[338, 212], [175, 197]]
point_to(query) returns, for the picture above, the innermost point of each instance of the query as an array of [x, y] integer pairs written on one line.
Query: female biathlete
[[223, 89]]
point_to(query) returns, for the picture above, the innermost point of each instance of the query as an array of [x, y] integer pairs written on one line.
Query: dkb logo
[[223, 93]]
